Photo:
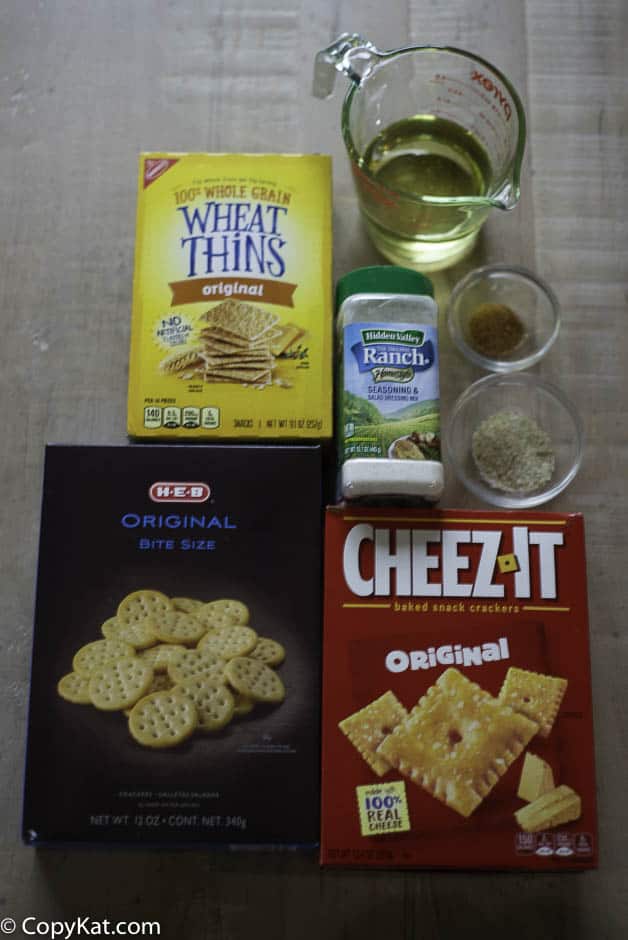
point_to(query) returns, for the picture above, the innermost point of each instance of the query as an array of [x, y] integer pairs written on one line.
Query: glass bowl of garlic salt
[[514, 440], [503, 318]]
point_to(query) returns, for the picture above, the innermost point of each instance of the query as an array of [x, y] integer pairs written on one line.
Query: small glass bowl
[[536, 399], [527, 295]]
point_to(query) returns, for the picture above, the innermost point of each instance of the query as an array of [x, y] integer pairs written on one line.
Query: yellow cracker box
[[231, 329]]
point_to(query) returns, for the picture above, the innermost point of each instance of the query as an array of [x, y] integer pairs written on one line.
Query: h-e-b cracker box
[[176, 656]]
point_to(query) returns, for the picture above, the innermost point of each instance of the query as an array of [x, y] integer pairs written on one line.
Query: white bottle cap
[[364, 478]]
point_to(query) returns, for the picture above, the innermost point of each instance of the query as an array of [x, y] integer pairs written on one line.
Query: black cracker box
[[169, 527]]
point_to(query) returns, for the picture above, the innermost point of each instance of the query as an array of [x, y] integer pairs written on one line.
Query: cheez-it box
[[457, 723]]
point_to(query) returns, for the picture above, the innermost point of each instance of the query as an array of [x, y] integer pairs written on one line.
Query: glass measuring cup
[[435, 137]]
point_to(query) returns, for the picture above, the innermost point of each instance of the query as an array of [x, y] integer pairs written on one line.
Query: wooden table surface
[[84, 86]]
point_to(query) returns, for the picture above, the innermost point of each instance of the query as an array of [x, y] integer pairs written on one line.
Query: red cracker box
[[457, 726]]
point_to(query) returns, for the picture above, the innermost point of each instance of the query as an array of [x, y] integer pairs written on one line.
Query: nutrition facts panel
[[171, 416]]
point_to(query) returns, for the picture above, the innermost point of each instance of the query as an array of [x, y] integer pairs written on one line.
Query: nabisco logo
[[491, 87], [156, 167], [164, 492]]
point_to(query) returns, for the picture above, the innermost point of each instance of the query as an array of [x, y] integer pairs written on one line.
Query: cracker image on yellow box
[[231, 326]]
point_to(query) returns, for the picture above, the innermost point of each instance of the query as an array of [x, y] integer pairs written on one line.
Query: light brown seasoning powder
[[494, 330], [512, 453]]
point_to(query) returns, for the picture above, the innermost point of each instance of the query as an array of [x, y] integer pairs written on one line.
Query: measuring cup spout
[[507, 196], [350, 54]]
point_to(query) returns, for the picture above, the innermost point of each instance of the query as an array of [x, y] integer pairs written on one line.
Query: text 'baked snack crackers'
[[159, 714], [231, 329], [457, 725]]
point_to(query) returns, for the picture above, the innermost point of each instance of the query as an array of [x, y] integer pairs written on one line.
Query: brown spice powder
[[494, 330]]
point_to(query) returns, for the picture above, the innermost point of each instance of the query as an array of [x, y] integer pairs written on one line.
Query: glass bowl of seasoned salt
[[514, 440], [503, 318]]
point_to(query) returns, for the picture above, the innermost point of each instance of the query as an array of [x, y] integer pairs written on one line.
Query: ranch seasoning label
[[390, 391]]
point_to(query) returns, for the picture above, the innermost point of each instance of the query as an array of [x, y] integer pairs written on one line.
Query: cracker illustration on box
[[99, 653], [183, 362], [213, 701], [159, 656], [268, 651], [74, 687], [140, 635], [120, 684], [254, 679], [236, 343], [228, 642], [367, 728], [196, 663], [174, 626], [457, 742], [163, 719], [172, 672], [534, 695], [187, 604]]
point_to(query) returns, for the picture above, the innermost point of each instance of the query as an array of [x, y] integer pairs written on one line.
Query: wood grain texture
[[83, 88]]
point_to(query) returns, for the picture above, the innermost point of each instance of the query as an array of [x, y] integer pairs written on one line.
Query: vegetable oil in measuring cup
[[412, 160], [435, 137], [388, 425], [427, 155]]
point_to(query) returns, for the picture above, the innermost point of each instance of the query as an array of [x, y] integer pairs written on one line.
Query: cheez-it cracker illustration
[[507, 563], [536, 696], [457, 742], [369, 727], [451, 640]]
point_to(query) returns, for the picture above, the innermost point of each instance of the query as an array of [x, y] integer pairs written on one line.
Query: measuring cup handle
[[351, 54]]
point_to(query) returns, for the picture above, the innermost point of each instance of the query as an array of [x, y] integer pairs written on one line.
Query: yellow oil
[[425, 155]]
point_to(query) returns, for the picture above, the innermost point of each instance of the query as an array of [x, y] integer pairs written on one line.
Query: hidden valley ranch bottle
[[388, 427]]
